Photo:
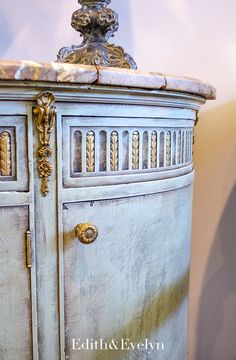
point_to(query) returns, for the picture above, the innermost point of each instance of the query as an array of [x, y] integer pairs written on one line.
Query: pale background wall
[[185, 37]]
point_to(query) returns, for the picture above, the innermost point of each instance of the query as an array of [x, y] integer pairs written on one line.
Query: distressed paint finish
[[15, 292], [46, 259], [132, 282]]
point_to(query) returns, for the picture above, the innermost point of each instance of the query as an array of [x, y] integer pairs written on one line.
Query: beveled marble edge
[[66, 73]]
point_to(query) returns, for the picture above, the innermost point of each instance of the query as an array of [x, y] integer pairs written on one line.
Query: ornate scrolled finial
[[96, 22]]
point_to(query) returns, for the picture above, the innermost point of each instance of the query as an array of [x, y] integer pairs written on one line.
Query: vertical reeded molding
[[5, 154], [44, 113], [90, 151], [114, 156], [135, 150]]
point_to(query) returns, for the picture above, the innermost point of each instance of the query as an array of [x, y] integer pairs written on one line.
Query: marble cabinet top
[[81, 74]]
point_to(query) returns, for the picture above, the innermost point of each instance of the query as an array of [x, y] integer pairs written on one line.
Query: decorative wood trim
[[154, 149], [44, 113], [168, 148], [90, 151], [114, 156], [5, 154], [135, 150]]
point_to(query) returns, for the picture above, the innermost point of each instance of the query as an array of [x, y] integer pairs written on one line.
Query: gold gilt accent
[[5, 154], [186, 146], [86, 233], [90, 151], [168, 148], [179, 147], [114, 157], [154, 149], [28, 249], [135, 150], [45, 113]]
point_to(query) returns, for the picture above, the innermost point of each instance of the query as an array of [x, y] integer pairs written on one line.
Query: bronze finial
[[96, 22]]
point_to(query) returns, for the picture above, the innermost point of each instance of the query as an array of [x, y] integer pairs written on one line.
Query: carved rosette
[[44, 113], [96, 23]]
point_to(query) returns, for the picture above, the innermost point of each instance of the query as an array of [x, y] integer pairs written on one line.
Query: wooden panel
[[132, 281], [13, 153], [15, 299]]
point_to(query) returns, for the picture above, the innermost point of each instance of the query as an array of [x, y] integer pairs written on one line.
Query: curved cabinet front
[[126, 171], [130, 286], [106, 175]]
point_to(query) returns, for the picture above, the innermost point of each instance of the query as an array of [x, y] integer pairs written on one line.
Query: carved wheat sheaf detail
[[90, 151], [179, 147], [154, 149], [168, 148], [5, 154], [186, 146], [114, 156], [135, 150]]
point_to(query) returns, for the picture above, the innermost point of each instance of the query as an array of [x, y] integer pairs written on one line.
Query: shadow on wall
[[216, 189]]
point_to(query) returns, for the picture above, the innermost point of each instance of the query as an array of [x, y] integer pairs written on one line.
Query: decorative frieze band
[[128, 151]]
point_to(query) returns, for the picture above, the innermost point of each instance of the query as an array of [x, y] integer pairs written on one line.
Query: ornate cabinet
[[96, 181]]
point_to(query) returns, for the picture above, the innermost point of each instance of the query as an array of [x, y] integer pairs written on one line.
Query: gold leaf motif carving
[[135, 150], [90, 151], [154, 149], [5, 154], [45, 113], [114, 156], [168, 148], [186, 146], [179, 147]]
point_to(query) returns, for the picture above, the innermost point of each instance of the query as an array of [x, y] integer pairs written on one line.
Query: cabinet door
[[15, 299], [131, 283]]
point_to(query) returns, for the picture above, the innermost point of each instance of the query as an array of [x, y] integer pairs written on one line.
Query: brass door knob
[[87, 233]]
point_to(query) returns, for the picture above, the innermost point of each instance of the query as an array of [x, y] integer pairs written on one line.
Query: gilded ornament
[[114, 156], [135, 150], [154, 149], [90, 152], [5, 154], [44, 113], [168, 148], [86, 233]]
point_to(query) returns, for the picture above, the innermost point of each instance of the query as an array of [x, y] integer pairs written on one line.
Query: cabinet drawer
[[13, 153]]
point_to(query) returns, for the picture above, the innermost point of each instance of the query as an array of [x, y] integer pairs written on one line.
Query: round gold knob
[[87, 233]]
